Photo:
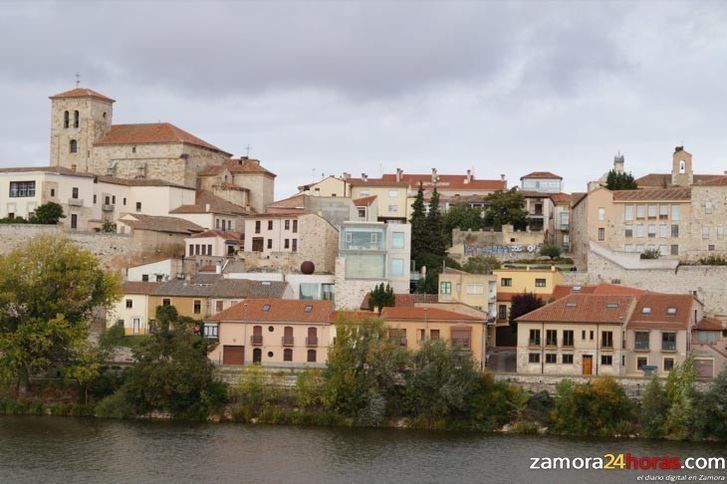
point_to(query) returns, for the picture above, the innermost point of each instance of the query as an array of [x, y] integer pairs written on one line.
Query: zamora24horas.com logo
[[631, 462]]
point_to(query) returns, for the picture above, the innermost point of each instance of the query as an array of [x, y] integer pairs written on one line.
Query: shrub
[[308, 390], [650, 254], [713, 260], [654, 406], [551, 250], [115, 406]]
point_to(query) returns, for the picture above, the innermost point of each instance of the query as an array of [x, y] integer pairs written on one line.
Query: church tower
[[681, 168], [79, 118]]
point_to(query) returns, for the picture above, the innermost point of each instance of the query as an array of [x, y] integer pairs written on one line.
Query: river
[[57, 449]]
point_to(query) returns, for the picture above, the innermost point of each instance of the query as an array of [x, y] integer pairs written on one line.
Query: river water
[[56, 449]]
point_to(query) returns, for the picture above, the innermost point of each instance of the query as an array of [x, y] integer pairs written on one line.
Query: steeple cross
[[78, 79]]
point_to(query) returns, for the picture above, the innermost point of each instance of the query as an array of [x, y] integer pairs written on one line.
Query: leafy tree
[[434, 264], [418, 223], [714, 408], [49, 289], [496, 403], [48, 213], [481, 264], [463, 217], [506, 207], [382, 296], [523, 304], [363, 368], [681, 395], [654, 406], [650, 254], [436, 239], [620, 181], [172, 371], [550, 250], [441, 381]]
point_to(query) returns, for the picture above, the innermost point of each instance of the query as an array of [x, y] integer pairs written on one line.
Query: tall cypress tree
[[435, 227], [418, 222]]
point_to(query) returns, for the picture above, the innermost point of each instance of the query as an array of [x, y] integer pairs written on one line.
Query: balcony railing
[[641, 345], [311, 341], [75, 202], [107, 207], [461, 342], [256, 340], [288, 340], [668, 346]]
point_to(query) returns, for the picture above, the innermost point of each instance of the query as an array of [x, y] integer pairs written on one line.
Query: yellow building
[[411, 326], [391, 196], [330, 186]]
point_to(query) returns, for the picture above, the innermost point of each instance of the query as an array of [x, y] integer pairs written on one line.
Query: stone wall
[[350, 293], [506, 245]]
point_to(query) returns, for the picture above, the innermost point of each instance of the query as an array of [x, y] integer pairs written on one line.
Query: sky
[[319, 88]]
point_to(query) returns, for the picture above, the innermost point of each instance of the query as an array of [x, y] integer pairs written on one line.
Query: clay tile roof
[[277, 310], [296, 201], [709, 324], [218, 233], [208, 268], [47, 169], [562, 291], [216, 205], [403, 300], [241, 165], [541, 174], [376, 182], [365, 201], [677, 193], [138, 287], [290, 213], [161, 224], [584, 308], [81, 92], [452, 182], [564, 198], [663, 180], [139, 182], [215, 286], [577, 198], [606, 289], [123, 134], [717, 181], [420, 314], [657, 315]]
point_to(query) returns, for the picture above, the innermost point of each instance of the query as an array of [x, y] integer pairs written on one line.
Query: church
[[84, 139]]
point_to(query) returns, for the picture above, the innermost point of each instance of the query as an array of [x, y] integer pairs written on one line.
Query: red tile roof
[[155, 223], [562, 198], [717, 181], [457, 182], [216, 205], [541, 174], [47, 169], [606, 289], [375, 182], [139, 287], [277, 310], [219, 233], [208, 268], [584, 308], [658, 316], [81, 92], [289, 213], [663, 180], [562, 291], [241, 165], [421, 314], [648, 194], [365, 201], [139, 182], [151, 133], [296, 201], [709, 324], [403, 300]]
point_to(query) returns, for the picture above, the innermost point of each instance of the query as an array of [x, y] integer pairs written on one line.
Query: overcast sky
[[322, 88]]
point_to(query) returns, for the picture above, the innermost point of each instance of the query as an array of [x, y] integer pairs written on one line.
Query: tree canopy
[[523, 304], [382, 296], [506, 207], [481, 264], [48, 214], [620, 181]]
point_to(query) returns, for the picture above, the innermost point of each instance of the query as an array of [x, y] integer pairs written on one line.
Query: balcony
[[563, 226], [311, 341], [75, 202], [288, 340], [641, 346], [107, 207], [668, 346], [256, 340]]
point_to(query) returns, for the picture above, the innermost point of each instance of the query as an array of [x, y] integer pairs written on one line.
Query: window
[[129, 303], [219, 306], [434, 334], [607, 360], [270, 243], [397, 240], [74, 221], [641, 340], [607, 339], [652, 231], [601, 213], [287, 354], [601, 234], [668, 341], [287, 225], [675, 212], [145, 277], [567, 359], [639, 230], [66, 119], [295, 226], [668, 364], [133, 149], [628, 212], [397, 267], [217, 223], [393, 208], [94, 199], [76, 119], [308, 308], [551, 358], [705, 232], [166, 302], [73, 146], [257, 226], [74, 192], [445, 287], [591, 336], [52, 192], [506, 282], [502, 312], [568, 337], [393, 193], [640, 211], [641, 362], [663, 230], [197, 306], [671, 311], [138, 206], [534, 337], [720, 232], [475, 289], [22, 189], [674, 249], [708, 207], [628, 231], [539, 282], [311, 356], [270, 225], [362, 213], [286, 243], [646, 310], [551, 337], [674, 230], [652, 210], [663, 212], [533, 357], [211, 331], [266, 307]]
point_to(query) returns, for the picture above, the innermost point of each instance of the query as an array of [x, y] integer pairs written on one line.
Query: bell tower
[[681, 168], [79, 118]]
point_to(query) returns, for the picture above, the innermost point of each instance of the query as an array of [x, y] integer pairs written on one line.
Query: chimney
[[218, 268], [502, 176], [346, 176], [399, 172], [434, 175], [678, 149], [469, 176], [207, 207], [364, 177], [187, 279]]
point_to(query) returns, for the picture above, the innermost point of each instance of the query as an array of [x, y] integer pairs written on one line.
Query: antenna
[[78, 79], [247, 150]]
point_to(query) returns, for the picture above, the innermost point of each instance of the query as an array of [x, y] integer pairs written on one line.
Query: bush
[[713, 260], [308, 389], [551, 250], [650, 254], [495, 404], [481, 264], [654, 406], [115, 406]]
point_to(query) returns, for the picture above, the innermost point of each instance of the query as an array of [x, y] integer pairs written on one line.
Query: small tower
[[618, 163], [681, 168], [79, 118]]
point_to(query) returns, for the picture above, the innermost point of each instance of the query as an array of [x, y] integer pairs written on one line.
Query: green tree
[[620, 181], [654, 406], [523, 304], [481, 264], [49, 289], [436, 239], [506, 207], [463, 217], [48, 213], [382, 296], [362, 372], [714, 408], [172, 372], [681, 395], [418, 223], [550, 250], [650, 254]]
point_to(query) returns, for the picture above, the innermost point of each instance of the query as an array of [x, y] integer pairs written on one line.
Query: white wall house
[[158, 271]]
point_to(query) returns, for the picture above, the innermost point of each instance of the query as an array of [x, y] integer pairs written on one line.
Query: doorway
[[587, 365]]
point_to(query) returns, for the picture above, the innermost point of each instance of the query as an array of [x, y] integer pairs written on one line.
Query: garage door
[[705, 368], [233, 355]]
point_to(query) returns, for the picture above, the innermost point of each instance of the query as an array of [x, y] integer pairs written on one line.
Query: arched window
[[73, 146], [311, 356], [682, 167], [257, 356], [75, 119], [66, 119]]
